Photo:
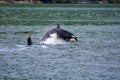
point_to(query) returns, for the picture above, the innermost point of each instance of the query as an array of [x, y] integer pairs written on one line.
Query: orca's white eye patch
[[73, 36], [53, 35]]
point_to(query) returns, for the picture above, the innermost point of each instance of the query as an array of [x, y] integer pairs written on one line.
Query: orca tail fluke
[[27, 34]]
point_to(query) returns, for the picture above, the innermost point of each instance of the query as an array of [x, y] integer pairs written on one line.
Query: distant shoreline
[[40, 2], [22, 2]]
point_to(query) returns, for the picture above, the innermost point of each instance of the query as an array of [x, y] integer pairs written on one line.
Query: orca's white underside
[[53, 40]]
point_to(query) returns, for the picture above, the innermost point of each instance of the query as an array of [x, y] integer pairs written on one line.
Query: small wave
[[13, 48], [43, 46]]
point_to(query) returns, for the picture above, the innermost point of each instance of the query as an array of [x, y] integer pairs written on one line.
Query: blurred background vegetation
[[63, 1]]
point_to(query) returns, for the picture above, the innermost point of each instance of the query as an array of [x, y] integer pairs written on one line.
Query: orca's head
[[59, 34], [73, 38], [65, 35]]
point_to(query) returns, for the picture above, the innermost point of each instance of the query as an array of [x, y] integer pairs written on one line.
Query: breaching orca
[[58, 34]]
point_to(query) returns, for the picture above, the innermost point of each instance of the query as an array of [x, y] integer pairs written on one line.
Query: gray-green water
[[70, 14], [96, 55]]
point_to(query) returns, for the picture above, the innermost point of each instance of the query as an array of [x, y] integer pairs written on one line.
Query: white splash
[[43, 46], [53, 41]]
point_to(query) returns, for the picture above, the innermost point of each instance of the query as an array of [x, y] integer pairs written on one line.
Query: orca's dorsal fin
[[29, 41], [58, 26]]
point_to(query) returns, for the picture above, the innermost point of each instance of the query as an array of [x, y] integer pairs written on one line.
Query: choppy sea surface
[[96, 55]]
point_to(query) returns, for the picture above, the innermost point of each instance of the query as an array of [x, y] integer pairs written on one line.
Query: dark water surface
[[96, 55]]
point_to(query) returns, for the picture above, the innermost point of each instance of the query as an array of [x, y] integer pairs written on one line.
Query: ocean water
[[96, 55]]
